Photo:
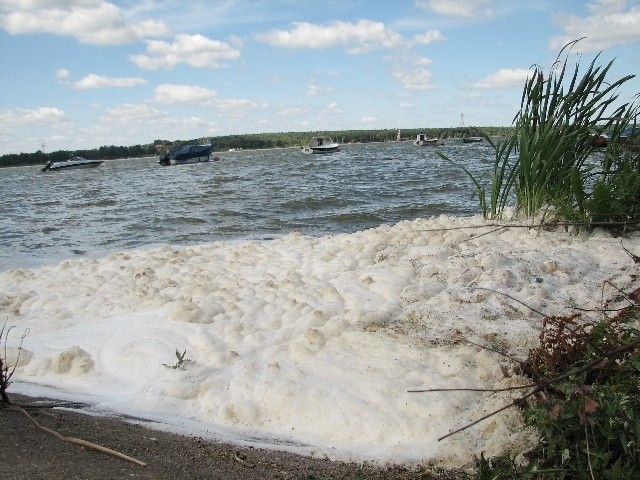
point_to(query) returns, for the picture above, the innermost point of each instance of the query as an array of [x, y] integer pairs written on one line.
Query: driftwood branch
[[536, 225], [77, 441]]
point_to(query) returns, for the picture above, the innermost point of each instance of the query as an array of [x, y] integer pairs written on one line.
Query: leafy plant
[[548, 159], [590, 423], [180, 361]]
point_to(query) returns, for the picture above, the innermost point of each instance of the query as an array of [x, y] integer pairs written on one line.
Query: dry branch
[[78, 441]]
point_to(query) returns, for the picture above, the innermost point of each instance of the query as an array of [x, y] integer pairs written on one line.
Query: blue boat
[[187, 154]]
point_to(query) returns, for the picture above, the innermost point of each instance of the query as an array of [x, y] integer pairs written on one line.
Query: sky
[[313, 344], [78, 74]]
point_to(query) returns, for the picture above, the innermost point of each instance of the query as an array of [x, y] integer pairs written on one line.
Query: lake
[[264, 194]]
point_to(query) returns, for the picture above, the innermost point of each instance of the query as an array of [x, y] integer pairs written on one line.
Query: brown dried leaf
[[635, 295], [589, 406], [555, 411]]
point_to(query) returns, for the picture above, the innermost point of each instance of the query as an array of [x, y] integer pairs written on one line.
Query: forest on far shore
[[247, 141]]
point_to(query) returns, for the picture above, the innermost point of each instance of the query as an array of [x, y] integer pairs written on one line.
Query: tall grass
[[544, 162]]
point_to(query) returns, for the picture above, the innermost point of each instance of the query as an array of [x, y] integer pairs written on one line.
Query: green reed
[[544, 162]]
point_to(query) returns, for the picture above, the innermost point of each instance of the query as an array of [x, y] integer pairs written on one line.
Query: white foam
[[311, 343]]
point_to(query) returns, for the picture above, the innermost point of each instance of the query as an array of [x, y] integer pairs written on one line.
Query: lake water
[[135, 203]]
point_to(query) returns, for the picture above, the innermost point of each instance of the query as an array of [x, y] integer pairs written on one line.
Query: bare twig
[[544, 383], [492, 390], [78, 441], [514, 299], [535, 225], [482, 234]]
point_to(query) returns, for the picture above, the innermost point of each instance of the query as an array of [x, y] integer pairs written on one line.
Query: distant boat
[[73, 163], [599, 140], [321, 145], [187, 154], [422, 140], [398, 137], [472, 139], [630, 138]]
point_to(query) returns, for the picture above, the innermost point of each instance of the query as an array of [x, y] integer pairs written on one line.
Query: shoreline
[[29, 452]]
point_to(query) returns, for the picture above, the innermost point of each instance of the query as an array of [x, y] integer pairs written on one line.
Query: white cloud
[[90, 21], [194, 50], [62, 73], [168, 93], [471, 9], [609, 25], [420, 79], [504, 78], [99, 81], [369, 120], [130, 114], [428, 37], [334, 107], [24, 116], [315, 90], [192, 94], [358, 37]]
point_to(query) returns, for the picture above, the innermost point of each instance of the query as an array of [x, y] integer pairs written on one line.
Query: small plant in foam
[[181, 361]]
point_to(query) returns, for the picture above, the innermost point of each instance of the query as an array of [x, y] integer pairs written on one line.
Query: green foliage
[[181, 361], [547, 161], [590, 422], [616, 196]]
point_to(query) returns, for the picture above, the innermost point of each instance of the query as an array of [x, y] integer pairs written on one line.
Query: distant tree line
[[246, 141]]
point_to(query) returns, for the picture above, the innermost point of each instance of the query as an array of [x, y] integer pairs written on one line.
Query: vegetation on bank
[[584, 396], [551, 164], [245, 142]]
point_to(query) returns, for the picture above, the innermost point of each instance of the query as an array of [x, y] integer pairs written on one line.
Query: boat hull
[[326, 149], [72, 165], [188, 161], [188, 154], [321, 145], [426, 143]]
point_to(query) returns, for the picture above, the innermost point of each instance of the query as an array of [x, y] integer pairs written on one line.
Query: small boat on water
[[472, 139], [73, 163], [188, 154], [422, 140], [321, 145]]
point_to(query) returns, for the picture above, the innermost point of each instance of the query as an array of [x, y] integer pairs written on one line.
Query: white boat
[[422, 140], [187, 154], [72, 163], [321, 145]]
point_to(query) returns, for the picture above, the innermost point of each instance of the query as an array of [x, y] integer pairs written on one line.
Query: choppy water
[[135, 203]]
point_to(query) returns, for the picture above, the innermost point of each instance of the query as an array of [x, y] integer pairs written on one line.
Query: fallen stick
[[77, 441]]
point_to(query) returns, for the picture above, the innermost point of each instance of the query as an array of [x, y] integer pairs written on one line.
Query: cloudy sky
[[85, 73]]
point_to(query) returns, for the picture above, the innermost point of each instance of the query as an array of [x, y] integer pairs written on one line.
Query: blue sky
[[85, 73]]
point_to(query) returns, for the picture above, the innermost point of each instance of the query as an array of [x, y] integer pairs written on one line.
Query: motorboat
[[422, 140], [71, 164], [188, 154], [321, 145], [472, 139]]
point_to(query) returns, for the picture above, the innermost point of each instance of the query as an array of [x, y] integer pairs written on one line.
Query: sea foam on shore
[[311, 344]]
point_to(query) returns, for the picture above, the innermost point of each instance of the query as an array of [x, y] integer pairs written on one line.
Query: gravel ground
[[28, 452]]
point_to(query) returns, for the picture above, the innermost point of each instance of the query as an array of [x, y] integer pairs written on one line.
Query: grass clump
[[549, 161]]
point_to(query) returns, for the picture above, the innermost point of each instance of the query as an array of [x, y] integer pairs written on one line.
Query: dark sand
[[28, 452]]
